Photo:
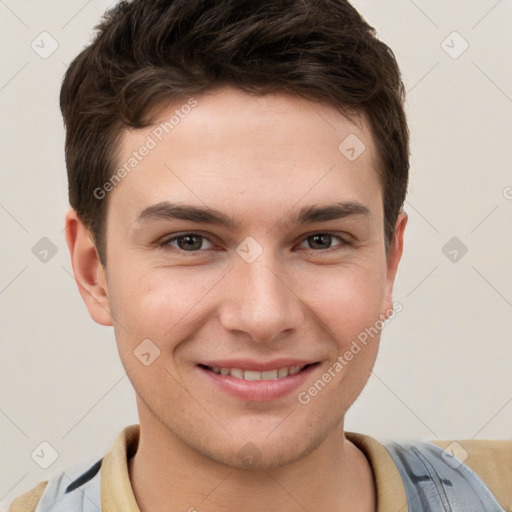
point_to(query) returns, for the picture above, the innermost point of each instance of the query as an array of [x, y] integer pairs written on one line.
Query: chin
[[265, 448], [251, 456]]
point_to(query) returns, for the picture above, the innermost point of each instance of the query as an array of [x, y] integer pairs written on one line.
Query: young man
[[237, 171]]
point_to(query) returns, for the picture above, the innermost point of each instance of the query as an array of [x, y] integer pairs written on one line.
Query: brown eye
[[188, 242], [320, 241], [324, 241]]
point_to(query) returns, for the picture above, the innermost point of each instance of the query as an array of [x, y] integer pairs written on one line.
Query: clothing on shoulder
[[410, 477]]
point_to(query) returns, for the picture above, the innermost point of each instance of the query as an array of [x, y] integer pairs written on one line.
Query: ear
[[392, 260], [88, 270]]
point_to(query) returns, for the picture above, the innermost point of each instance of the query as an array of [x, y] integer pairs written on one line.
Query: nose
[[259, 302]]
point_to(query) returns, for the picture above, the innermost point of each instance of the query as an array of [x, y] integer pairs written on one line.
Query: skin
[[258, 160]]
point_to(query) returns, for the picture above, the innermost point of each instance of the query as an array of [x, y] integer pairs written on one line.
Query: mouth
[[255, 375], [255, 382]]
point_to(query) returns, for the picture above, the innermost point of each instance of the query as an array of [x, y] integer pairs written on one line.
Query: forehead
[[227, 149]]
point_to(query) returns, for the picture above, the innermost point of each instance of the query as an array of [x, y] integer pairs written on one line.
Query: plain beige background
[[444, 365]]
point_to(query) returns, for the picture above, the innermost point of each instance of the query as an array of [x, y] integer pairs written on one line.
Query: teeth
[[270, 375], [282, 372], [237, 373], [251, 375]]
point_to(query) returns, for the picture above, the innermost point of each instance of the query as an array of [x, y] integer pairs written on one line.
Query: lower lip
[[258, 390]]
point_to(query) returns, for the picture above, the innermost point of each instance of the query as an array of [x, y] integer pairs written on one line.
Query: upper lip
[[252, 364]]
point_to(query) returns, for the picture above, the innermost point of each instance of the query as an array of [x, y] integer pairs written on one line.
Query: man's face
[[295, 277]]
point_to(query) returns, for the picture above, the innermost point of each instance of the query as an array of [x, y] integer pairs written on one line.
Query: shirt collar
[[117, 493]]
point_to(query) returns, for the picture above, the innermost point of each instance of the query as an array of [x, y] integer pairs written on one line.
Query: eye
[[195, 242], [323, 241], [188, 242]]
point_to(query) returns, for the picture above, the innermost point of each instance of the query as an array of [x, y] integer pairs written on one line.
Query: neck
[[166, 474]]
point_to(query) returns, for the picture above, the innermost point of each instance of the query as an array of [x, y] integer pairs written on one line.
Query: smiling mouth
[[252, 375]]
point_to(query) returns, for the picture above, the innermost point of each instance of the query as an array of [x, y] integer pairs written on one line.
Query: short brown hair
[[147, 51]]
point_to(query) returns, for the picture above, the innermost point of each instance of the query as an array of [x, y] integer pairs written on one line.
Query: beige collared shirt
[[491, 460]]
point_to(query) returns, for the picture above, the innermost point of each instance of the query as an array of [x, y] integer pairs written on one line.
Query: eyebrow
[[307, 215]]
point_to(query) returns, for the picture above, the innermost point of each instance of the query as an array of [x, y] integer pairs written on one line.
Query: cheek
[[166, 304], [158, 303], [348, 300], [348, 308]]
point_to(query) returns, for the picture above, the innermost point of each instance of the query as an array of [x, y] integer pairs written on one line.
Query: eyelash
[[166, 244]]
